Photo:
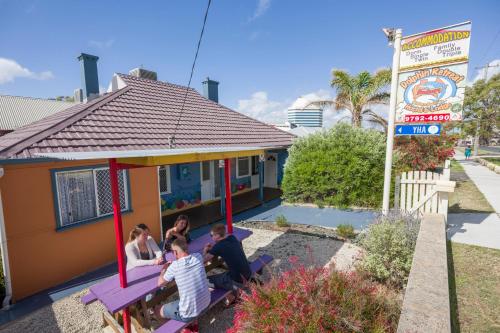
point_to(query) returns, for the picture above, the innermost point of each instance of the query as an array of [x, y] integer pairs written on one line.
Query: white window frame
[[238, 167], [169, 179], [98, 216]]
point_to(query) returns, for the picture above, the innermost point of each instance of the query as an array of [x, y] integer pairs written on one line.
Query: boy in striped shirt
[[188, 271]]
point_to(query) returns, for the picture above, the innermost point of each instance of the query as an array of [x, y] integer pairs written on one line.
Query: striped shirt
[[191, 279]]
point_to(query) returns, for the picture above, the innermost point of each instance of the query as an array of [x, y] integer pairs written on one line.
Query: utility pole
[[394, 37], [478, 123]]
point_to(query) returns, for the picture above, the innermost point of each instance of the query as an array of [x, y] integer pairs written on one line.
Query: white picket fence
[[419, 192]]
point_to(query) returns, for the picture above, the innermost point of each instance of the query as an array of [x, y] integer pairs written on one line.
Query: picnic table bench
[[143, 281]]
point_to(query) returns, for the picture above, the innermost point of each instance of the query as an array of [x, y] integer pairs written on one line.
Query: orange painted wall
[[41, 257]]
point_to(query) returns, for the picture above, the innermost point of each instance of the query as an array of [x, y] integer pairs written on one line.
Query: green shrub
[[341, 167], [314, 299], [281, 221], [389, 244], [346, 231]]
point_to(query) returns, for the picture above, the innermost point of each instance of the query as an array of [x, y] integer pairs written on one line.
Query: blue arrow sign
[[431, 129]]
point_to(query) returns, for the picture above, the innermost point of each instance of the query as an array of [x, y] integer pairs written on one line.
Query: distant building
[[306, 116], [298, 131], [17, 111]]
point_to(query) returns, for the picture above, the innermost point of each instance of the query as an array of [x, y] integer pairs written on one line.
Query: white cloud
[[261, 108], [102, 44], [491, 70], [254, 35], [262, 7], [10, 70]]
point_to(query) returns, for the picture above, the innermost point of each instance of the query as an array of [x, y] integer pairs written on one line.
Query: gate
[[419, 192]]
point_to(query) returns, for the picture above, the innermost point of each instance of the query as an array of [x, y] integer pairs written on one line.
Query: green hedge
[[341, 167]]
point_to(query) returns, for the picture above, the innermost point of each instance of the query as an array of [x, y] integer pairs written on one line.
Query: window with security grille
[[243, 167], [164, 179], [85, 194]]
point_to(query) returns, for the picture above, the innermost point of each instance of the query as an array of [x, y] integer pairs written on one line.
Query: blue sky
[[265, 53]]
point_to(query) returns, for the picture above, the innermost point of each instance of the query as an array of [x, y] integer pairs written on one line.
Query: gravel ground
[[313, 245]]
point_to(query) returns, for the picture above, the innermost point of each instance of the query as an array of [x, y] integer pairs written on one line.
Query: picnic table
[[143, 281]]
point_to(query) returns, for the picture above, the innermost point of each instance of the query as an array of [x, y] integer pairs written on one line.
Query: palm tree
[[358, 94]]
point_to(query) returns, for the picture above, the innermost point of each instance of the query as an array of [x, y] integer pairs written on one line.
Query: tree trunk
[[356, 119]]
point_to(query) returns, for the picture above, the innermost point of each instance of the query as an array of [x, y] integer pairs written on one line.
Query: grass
[[474, 281], [467, 198], [346, 231], [494, 160], [282, 222]]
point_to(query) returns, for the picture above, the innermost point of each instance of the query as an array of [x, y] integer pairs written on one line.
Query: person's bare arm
[[207, 256], [161, 279]]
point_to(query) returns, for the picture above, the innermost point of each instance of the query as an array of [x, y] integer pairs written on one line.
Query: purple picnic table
[[144, 280]]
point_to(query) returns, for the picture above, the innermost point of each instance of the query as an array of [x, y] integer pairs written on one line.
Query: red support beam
[[229, 207], [120, 248]]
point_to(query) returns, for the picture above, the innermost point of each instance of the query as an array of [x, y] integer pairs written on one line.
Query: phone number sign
[[427, 118]]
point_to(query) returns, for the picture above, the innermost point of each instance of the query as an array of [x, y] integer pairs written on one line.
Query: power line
[[171, 141]]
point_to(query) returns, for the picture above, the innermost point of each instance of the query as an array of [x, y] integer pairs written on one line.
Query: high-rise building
[[307, 116]]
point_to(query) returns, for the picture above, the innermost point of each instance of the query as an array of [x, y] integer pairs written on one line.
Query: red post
[[120, 249], [229, 207]]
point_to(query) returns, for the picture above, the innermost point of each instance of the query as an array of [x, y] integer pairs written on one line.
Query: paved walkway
[[473, 228]]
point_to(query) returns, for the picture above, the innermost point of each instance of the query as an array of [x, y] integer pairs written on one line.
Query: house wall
[[40, 256], [282, 156], [187, 192]]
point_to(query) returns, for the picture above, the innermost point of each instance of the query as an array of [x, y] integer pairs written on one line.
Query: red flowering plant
[[423, 153], [315, 299]]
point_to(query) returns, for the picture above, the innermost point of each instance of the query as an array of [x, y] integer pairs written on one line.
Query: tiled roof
[[17, 111], [143, 115]]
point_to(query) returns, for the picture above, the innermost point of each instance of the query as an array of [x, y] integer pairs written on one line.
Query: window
[[164, 179], [85, 194], [243, 167], [205, 170], [255, 165]]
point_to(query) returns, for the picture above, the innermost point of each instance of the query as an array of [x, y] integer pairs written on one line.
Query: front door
[[271, 170], [207, 180], [210, 180]]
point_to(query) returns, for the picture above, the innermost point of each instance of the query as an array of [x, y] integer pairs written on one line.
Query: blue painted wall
[[282, 156], [186, 191]]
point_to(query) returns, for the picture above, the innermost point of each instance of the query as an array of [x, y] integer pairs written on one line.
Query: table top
[[144, 280]]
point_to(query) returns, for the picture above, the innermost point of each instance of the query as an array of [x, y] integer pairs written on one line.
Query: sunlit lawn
[[474, 279]]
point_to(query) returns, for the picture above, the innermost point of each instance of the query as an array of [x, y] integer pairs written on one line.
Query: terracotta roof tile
[[143, 115]]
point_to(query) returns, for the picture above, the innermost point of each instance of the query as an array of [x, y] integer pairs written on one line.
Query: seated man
[[188, 271], [231, 251]]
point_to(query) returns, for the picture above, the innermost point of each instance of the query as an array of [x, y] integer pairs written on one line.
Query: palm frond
[[321, 103], [379, 98]]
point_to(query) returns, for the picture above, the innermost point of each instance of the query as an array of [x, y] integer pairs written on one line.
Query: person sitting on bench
[[188, 271], [141, 248], [180, 230], [230, 250]]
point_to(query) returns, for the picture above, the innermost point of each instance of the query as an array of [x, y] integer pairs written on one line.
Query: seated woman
[[180, 230], [141, 248]]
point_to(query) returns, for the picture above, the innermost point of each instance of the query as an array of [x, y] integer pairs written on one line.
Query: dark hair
[[134, 233], [183, 218], [182, 244], [219, 229], [142, 226]]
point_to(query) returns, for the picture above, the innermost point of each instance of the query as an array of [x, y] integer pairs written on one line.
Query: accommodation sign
[[432, 75], [439, 47]]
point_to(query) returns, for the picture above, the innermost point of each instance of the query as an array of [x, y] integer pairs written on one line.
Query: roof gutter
[[5, 255]]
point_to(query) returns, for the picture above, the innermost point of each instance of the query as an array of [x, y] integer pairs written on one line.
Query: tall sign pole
[[392, 115]]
